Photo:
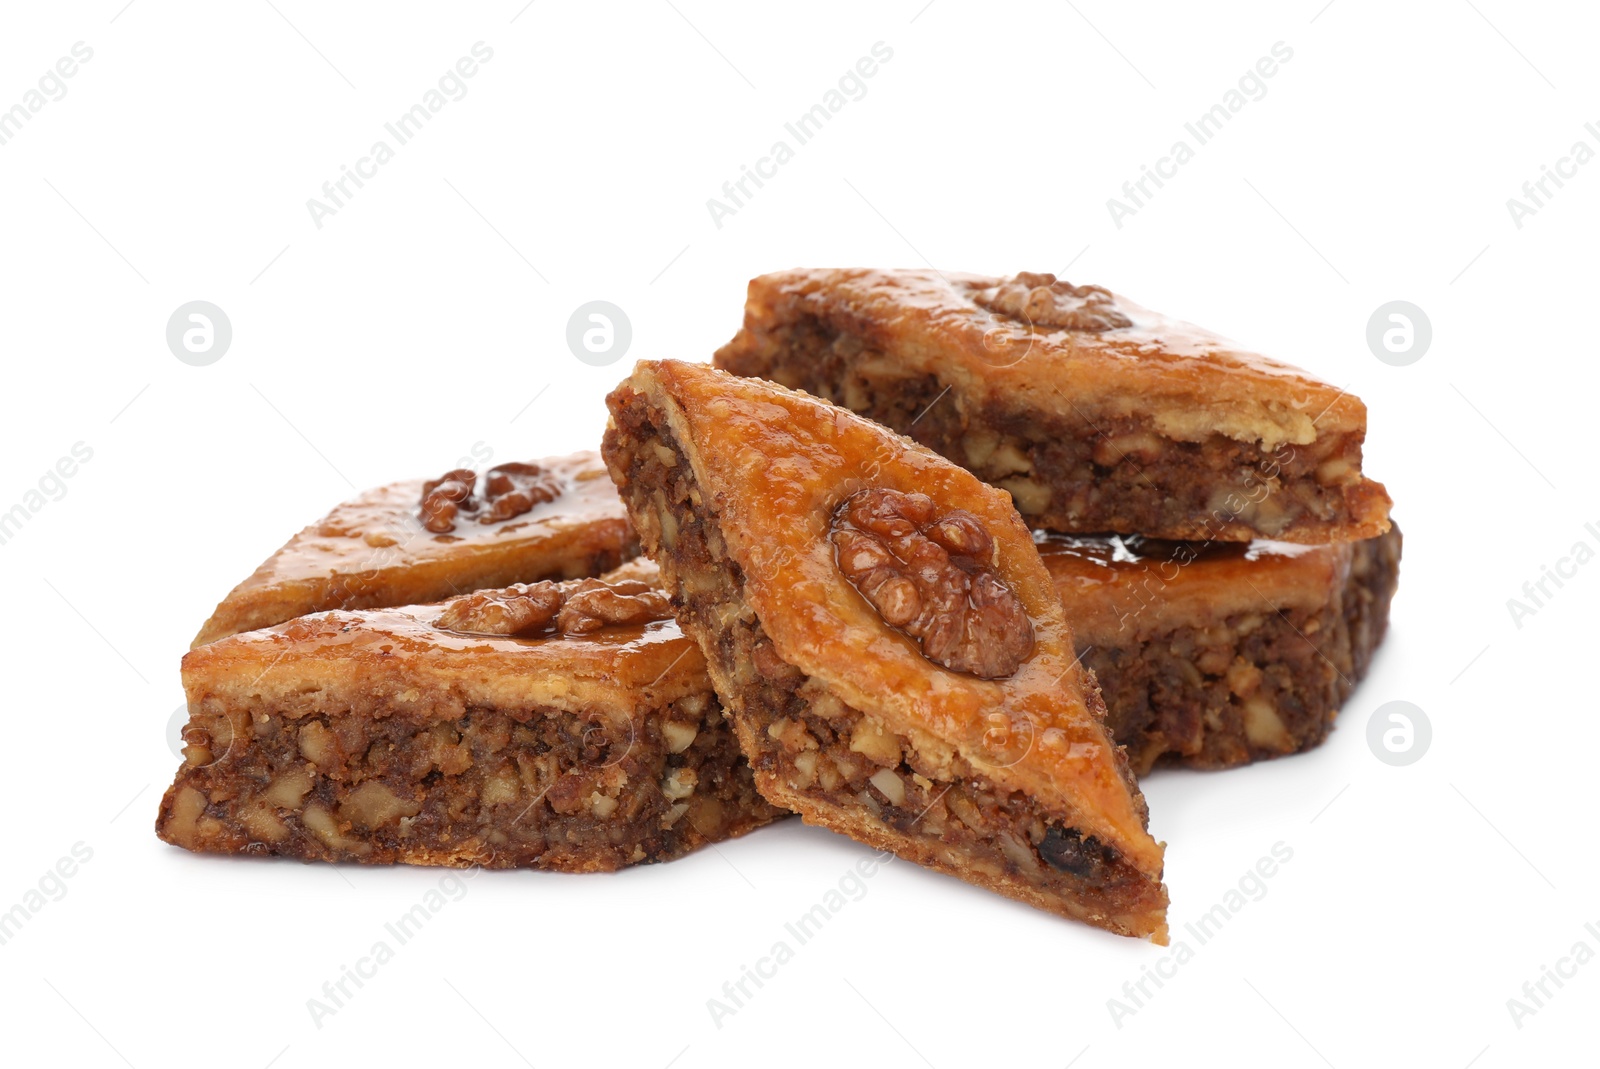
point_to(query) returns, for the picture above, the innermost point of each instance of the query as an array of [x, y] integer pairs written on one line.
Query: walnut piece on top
[[591, 604], [512, 489], [1042, 301], [570, 607], [509, 490], [933, 577], [523, 609], [446, 497]]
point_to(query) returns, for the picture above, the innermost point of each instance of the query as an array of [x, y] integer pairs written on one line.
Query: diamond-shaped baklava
[[891, 650]]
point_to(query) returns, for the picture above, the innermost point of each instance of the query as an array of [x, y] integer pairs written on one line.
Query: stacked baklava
[[942, 562]]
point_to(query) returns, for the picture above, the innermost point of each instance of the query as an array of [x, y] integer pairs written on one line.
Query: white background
[[429, 312]]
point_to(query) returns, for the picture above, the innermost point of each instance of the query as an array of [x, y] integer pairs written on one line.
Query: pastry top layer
[[410, 659], [375, 548], [1021, 341], [1117, 587], [383, 528], [777, 465]]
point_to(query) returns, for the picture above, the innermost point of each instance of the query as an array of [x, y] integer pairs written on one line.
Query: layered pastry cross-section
[[1096, 414], [559, 725], [1217, 654], [888, 644], [425, 540]]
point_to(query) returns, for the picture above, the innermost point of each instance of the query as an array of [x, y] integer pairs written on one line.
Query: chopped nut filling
[[494, 787]]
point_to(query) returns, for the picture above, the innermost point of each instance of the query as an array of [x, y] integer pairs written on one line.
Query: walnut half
[[591, 604], [933, 577], [446, 497], [512, 489], [509, 490], [571, 607], [1042, 301], [523, 609]]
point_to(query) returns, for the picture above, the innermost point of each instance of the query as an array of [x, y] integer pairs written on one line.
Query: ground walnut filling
[[1199, 697], [1095, 471], [921, 789], [501, 789], [811, 750]]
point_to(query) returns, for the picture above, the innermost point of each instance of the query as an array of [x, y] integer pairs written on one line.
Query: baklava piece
[[1096, 414], [1215, 655], [891, 650], [427, 540], [559, 725]]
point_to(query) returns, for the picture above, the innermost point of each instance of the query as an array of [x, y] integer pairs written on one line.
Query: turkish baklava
[[890, 648], [567, 725], [1096, 414]]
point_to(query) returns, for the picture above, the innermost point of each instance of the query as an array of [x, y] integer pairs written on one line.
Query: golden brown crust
[[1017, 367], [760, 473], [374, 551]]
